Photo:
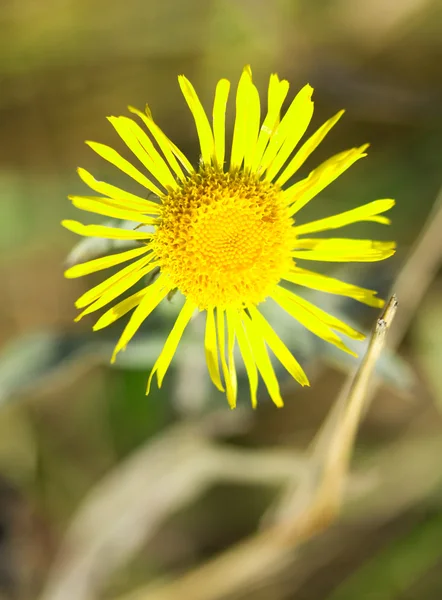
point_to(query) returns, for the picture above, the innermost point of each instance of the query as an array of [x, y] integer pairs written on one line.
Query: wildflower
[[225, 234]]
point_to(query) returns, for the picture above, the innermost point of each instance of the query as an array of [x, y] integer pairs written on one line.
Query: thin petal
[[298, 119], [368, 212], [211, 350], [99, 264], [176, 151], [105, 207], [246, 353], [277, 93], [181, 158], [162, 141], [124, 165], [120, 309], [94, 293], [263, 361], [140, 144], [231, 357], [302, 192], [314, 319], [155, 293], [241, 117], [307, 148], [229, 376], [219, 120], [204, 130], [131, 201], [331, 285], [163, 362], [292, 127], [278, 347], [310, 322], [343, 250], [119, 288], [109, 233], [253, 118]]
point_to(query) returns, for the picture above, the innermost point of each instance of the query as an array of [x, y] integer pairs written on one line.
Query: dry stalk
[[317, 500]]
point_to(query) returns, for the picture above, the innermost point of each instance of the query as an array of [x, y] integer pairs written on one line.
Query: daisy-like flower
[[225, 233]]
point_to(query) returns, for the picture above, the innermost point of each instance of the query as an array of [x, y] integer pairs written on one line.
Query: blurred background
[[147, 489]]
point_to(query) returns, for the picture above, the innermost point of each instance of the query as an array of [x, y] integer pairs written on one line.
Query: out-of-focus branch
[[127, 507], [317, 500]]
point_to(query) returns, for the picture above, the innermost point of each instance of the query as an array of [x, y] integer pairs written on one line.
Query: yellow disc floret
[[225, 238]]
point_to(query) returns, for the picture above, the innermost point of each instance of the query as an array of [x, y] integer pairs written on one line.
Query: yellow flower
[[225, 234]]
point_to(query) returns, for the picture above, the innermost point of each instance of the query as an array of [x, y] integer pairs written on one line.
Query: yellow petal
[[310, 321], [229, 376], [131, 201], [262, 360], [367, 212], [181, 158], [302, 192], [106, 207], [120, 309], [307, 148], [252, 121], [330, 285], [211, 350], [316, 320], [343, 250], [297, 122], [140, 144], [169, 349], [162, 141], [175, 150], [292, 127], [162, 167], [230, 357], [110, 233], [241, 119], [119, 288], [278, 347], [99, 264], [329, 319], [277, 92], [155, 293], [98, 290], [219, 120], [201, 121], [124, 165], [246, 353]]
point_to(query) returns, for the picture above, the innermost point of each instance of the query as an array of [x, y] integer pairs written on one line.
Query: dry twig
[[318, 500], [127, 508]]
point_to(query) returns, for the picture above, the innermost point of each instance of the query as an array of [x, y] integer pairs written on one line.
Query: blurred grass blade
[[392, 571]]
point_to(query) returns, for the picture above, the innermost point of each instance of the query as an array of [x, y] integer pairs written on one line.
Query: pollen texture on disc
[[225, 238]]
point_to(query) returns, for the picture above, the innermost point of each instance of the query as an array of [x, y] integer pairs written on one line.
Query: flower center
[[224, 238]]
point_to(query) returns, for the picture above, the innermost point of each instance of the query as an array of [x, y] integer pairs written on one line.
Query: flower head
[[225, 234]]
